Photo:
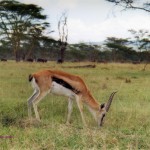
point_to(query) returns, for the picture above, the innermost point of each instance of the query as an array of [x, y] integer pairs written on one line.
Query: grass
[[127, 125]]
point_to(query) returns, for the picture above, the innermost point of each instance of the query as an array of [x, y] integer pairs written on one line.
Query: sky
[[92, 20]]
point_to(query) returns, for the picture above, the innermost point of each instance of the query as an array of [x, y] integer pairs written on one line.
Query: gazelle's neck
[[91, 101], [92, 105]]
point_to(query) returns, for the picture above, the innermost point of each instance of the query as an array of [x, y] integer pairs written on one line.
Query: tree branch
[[130, 4]]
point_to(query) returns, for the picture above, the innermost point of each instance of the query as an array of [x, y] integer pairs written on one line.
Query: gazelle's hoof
[[38, 120], [68, 123]]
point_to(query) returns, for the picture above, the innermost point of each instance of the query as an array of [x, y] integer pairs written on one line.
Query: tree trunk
[[17, 56], [17, 53], [62, 54]]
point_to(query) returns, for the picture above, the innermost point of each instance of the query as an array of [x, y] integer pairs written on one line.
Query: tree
[[20, 24], [141, 40], [49, 47], [119, 48], [63, 35], [132, 4]]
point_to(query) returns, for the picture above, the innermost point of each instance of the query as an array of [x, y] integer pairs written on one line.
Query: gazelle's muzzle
[[102, 120]]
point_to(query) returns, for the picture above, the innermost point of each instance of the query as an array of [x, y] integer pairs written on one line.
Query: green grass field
[[127, 125]]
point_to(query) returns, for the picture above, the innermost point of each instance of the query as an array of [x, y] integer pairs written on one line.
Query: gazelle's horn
[[110, 101]]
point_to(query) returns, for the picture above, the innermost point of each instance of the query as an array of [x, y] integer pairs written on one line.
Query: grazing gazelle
[[71, 86]]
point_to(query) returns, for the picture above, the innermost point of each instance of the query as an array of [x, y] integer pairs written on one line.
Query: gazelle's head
[[104, 108]]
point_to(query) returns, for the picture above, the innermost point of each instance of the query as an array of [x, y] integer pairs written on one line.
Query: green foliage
[[21, 24], [141, 39], [120, 50]]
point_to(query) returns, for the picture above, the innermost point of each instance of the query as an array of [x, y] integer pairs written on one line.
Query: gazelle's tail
[[30, 78]]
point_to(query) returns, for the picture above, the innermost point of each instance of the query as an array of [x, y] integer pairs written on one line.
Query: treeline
[[102, 54], [78, 52]]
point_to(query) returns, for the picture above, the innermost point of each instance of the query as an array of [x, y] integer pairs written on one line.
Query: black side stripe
[[65, 84]]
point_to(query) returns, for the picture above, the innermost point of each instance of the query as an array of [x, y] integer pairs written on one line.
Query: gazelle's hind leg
[[36, 101], [70, 102], [32, 98]]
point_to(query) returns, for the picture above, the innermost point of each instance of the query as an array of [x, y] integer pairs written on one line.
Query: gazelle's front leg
[[70, 103], [80, 106]]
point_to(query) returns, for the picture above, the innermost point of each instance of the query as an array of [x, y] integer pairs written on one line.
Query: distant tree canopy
[[22, 34], [83, 51], [141, 38], [133, 4], [21, 24], [112, 50], [120, 49]]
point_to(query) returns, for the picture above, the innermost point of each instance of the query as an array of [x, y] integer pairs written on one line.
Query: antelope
[[71, 86]]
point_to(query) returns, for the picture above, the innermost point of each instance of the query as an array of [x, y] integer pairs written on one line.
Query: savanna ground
[[127, 125]]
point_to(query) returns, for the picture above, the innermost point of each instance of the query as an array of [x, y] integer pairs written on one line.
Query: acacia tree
[[119, 48], [21, 23], [141, 39], [132, 4], [63, 35]]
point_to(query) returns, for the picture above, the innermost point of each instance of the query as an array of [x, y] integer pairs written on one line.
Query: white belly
[[60, 90]]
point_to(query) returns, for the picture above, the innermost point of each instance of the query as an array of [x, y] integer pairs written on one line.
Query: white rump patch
[[34, 84]]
